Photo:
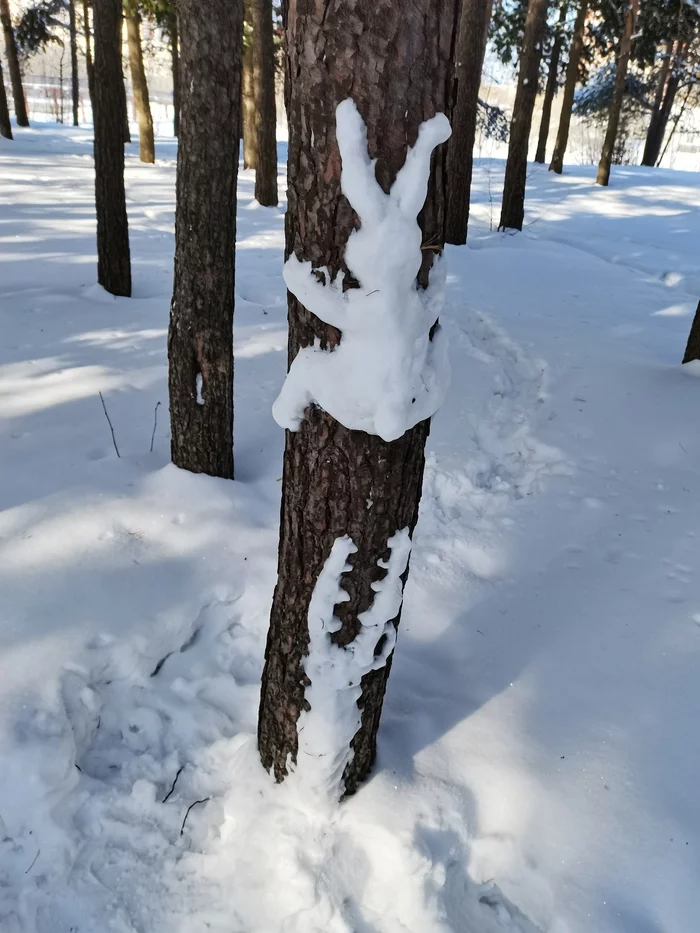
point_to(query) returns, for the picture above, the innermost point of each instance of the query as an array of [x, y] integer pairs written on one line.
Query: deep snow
[[538, 759]]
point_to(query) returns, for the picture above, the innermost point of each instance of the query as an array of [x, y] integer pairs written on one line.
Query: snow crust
[[387, 374]]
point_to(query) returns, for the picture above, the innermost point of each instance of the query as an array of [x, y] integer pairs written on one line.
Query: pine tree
[[139, 84], [89, 68], [200, 338], [249, 117], [550, 88], [557, 163], [623, 57], [692, 350], [13, 65], [174, 35], [338, 481], [5, 125], [264, 91]]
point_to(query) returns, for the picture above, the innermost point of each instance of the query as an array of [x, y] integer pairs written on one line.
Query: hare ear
[[357, 179], [411, 185]]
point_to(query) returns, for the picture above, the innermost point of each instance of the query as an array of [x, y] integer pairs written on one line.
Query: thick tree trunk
[[5, 125], [652, 145], [618, 94], [175, 65], [266, 123], [200, 339], [13, 65], [147, 149], [75, 82], [89, 68], [249, 116], [692, 350], [513, 207], [471, 46], [394, 61], [557, 163], [549, 91], [113, 260]]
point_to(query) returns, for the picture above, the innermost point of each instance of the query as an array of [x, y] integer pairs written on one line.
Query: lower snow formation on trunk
[[387, 374]]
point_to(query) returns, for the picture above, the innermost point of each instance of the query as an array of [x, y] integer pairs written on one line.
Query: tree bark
[[550, 91], [200, 338], [513, 207], [89, 68], [5, 125], [13, 65], [266, 118], [394, 61], [692, 350], [618, 94], [75, 83], [147, 149], [175, 65], [471, 46], [113, 260], [654, 139], [250, 130], [557, 163]]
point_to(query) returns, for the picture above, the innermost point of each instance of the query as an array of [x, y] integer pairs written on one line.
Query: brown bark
[[557, 163], [113, 260], [264, 85], [692, 350], [13, 65], [175, 65], [652, 144], [200, 338], [89, 68], [618, 94], [139, 84], [471, 46], [549, 91], [123, 104], [513, 207], [394, 61], [74, 84], [250, 130], [5, 125]]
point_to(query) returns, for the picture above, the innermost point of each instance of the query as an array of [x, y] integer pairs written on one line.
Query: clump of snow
[[387, 374], [327, 728], [199, 386]]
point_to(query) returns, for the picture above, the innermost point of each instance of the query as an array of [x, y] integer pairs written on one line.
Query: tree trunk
[[652, 145], [123, 103], [264, 85], [250, 130], [13, 65], [88, 53], [676, 121], [113, 260], [692, 350], [394, 60], [175, 64], [513, 208], [618, 94], [5, 125], [147, 149], [471, 46], [200, 339], [75, 83], [557, 163], [549, 91]]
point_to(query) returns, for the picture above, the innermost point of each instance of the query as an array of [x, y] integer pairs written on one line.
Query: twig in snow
[[38, 853], [169, 794], [155, 424], [111, 427], [203, 800]]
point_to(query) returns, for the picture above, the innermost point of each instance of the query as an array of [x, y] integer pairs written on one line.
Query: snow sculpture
[[386, 375]]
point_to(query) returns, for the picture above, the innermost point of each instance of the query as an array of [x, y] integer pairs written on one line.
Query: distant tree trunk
[[88, 53], [5, 125], [676, 121], [652, 145], [147, 149], [113, 260], [618, 94], [175, 65], [557, 163], [513, 208], [200, 338], [249, 116], [123, 103], [337, 481], [75, 83], [550, 91], [13, 65], [264, 71], [471, 46], [692, 350]]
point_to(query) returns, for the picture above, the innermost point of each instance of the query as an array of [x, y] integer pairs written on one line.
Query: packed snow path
[[537, 766]]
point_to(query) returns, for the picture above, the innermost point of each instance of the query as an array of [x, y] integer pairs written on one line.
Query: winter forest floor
[[538, 758]]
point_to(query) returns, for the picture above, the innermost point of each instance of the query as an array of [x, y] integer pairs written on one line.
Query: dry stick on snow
[[180, 770], [155, 425], [111, 428], [38, 853], [203, 800]]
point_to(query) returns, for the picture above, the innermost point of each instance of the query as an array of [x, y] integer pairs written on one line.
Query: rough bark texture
[[623, 58], [13, 65], [652, 145], [471, 46], [5, 125], [74, 82], [147, 148], [394, 61], [175, 66], [89, 68], [250, 131], [200, 339], [557, 163], [549, 92], [264, 85], [113, 261], [692, 350], [513, 207]]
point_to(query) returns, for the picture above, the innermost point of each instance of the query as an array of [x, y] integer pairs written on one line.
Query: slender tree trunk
[[471, 46], [264, 88], [113, 260], [175, 64], [5, 125], [200, 339], [249, 117], [394, 61], [147, 149], [550, 91], [123, 102], [652, 145], [89, 68], [557, 163], [513, 208], [692, 350], [13, 65], [618, 94], [75, 83], [676, 121]]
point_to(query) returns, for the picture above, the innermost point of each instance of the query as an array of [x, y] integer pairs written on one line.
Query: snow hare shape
[[386, 375]]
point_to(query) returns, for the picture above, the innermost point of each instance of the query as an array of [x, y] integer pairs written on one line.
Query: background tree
[[139, 84], [264, 91], [551, 86], [200, 337], [572, 77], [13, 65], [113, 259], [513, 207], [164, 13], [87, 37], [5, 125], [75, 78], [398, 77], [632, 8], [250, 126]]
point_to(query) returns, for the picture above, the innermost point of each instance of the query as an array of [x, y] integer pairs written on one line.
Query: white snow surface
[[537, 762], [386, 374]]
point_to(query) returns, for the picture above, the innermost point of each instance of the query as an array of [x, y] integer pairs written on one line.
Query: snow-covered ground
[[538, 762]]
